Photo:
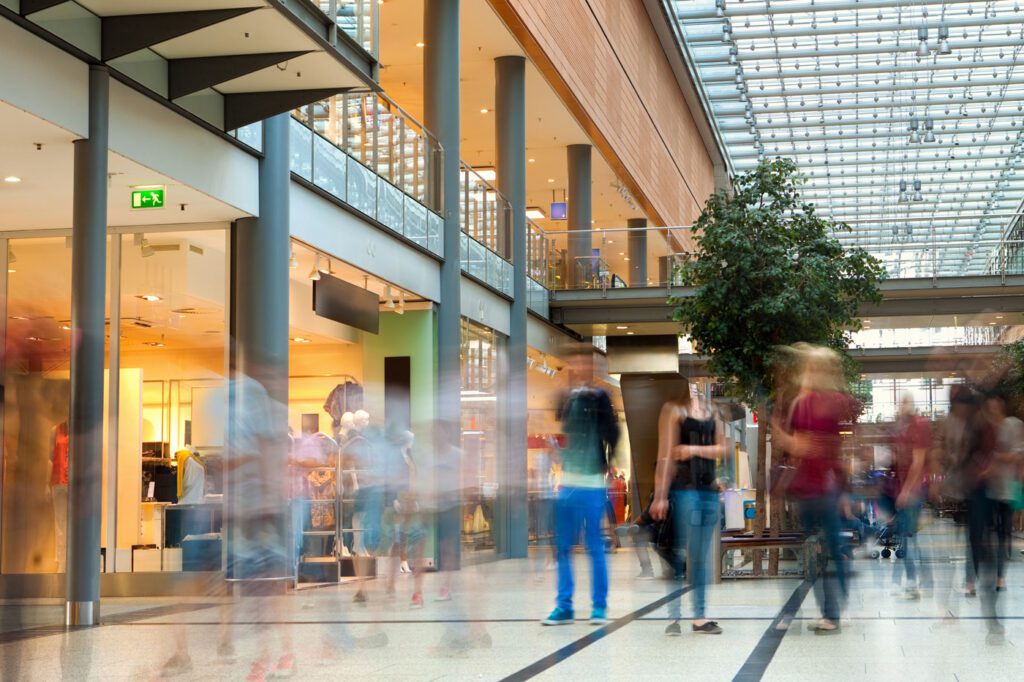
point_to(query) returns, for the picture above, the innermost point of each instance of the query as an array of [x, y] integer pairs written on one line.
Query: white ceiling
[[43, 198]]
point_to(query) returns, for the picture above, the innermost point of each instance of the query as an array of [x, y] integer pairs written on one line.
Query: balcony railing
[[485, 217], [366, 151], [360, 19]]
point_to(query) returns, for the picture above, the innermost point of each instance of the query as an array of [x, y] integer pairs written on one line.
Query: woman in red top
[[813, 442]]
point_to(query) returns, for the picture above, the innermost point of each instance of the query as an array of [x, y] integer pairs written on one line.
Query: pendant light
[[903, 192], [917, 191], [922, 46]]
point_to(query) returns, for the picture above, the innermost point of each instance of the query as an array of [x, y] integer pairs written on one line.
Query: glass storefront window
[[36, 402]]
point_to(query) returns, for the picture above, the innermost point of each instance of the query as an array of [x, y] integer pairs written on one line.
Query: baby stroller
[[889, 542]]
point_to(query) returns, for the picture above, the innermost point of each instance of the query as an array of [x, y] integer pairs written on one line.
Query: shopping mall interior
[[384, 337]]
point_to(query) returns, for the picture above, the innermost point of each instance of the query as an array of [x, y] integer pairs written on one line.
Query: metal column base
[[81, 613]]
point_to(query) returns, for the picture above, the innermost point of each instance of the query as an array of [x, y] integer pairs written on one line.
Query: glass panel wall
[[483, 351], [36, 403]]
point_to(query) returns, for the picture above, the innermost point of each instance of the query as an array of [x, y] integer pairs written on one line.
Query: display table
[[191, 519]]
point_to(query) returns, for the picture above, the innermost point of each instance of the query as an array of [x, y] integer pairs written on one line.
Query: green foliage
[[1007, 375], [768, 273]]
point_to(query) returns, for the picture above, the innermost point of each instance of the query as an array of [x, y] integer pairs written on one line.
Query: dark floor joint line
[[582, 643], [761, 657]]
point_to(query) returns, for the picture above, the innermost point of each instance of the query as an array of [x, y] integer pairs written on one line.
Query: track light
[[400, 308], [917, 191], [903, 192], [943, 47], [389, 299], [314, 274], [922, 36]]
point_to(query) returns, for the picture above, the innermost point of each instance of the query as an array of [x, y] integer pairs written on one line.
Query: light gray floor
[[883, 635]]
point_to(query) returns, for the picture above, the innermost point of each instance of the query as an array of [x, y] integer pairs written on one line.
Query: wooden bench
[[798, 542]]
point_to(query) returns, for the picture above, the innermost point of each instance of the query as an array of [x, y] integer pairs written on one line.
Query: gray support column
[[260, 415], [441, 117], [637, 242], [88, 304], [580, 265], [510, 142]]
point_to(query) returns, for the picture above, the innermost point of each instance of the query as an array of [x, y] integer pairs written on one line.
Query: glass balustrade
[[357, 18], [485, 217], [363, 149]]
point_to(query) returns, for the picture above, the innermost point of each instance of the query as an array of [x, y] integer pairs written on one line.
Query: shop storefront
[[165, 424]]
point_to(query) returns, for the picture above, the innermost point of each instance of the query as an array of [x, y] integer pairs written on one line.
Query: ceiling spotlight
[[719, 8], [922, 36], [293, 262], [929, 134], [903, 192], [13, 179], [733, 54], [400, 308], [943, 47], [300, 339], [314, 274], [917, 191], [726, 32], [915, 137], [152, 298], [389, 299]]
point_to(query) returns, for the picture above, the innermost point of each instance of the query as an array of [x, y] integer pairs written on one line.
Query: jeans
[[1004, 535], [821, 515], [696, 515], [907, 520], [578, 508]]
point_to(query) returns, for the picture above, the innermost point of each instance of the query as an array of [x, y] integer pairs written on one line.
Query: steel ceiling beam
[[827, 28], [897, 143], [717, 56], [736, 121], [126, 33], [947, 137], [752, 9], [963, 161], [189, 75], [737, 108], [28, 7], [795, 89], [727, 73]]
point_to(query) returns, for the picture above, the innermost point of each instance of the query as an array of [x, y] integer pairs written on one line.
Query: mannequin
[[59, 491], [352, 451], [191, 476]]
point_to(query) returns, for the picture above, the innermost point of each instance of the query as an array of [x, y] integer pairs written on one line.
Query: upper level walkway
[[920, 302]]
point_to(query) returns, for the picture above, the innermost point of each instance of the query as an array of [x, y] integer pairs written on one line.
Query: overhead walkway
[[923, 302]]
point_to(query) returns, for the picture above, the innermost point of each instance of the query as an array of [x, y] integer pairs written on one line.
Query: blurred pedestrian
[[1003, 477], [690, 441], [591, 432], [910, 442], [813, 442]]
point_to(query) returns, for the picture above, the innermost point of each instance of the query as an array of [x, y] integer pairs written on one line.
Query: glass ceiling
[[871, 98]]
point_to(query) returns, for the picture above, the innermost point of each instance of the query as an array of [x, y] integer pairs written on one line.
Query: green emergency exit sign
[[148, 198]]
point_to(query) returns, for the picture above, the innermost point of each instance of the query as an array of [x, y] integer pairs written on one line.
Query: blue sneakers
[[598, 617], [559, 616]]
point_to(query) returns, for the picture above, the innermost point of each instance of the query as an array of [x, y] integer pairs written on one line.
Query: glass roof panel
[[905, 116]]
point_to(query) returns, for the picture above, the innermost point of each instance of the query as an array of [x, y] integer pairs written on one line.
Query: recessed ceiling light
[[535, 213], [419, 44], [531, 160], [300, 339], [152, 298], [12, 179], [622, 326], [551, 179], [485, 110], [630, 333], [11, 270], [999, 317], [155, 344]]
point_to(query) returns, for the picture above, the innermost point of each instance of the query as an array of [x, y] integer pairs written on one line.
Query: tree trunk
[[775, 518], [761, 479]]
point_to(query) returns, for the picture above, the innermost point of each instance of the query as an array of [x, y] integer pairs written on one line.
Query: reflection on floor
[[489, 630]]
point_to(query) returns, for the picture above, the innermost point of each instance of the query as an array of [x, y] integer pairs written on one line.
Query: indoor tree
[[768, 272]]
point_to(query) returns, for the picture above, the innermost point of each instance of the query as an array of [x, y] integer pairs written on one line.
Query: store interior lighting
[[389, 299], [535, 213], [400, 308], [314, 274]]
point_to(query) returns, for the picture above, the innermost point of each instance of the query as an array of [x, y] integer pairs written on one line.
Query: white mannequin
[[360, 420]]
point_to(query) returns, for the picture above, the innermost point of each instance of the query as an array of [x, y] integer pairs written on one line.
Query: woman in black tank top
[[696, 473]]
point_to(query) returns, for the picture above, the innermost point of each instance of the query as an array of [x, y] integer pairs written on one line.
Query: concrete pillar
[[441, 117], [581, 267], [510, 142], [260, 400], [637, 243], [88, 304]]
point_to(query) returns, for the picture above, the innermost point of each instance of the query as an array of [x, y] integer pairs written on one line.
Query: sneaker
[[404, 568], [359, 597], [178, 664], [285, 668], [673, 629], [825, 627], [646, 575], [417, 601], [598, 616], [444, 595], [559, 616], [708, 628]]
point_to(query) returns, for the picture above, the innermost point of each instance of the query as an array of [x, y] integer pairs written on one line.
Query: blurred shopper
[[910, 442], [813, 443], [542, 485], [591, 431], [1004, 477], [690, 440]]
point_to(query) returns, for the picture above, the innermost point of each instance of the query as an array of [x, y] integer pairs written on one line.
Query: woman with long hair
[[813, 442], [691, 439]]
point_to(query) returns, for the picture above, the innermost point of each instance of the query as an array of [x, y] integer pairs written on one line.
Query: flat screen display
[[346, 303]]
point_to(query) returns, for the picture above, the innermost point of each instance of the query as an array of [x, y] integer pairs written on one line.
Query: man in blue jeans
[[591, 431]]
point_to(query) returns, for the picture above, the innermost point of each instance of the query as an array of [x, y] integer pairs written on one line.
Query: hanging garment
[[59, 456], [322, 491]]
